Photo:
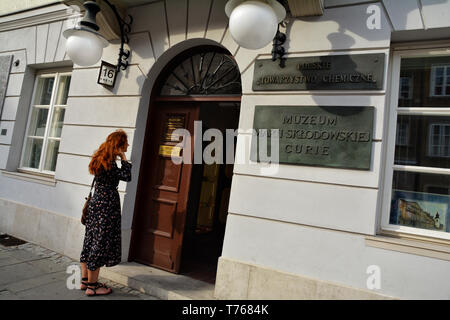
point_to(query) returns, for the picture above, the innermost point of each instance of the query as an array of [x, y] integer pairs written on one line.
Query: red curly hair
[[108, 152]]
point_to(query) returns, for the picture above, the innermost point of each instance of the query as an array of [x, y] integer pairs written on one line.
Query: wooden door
[[163, 189]]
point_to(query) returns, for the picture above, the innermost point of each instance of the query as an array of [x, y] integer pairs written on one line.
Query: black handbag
[[86, 204]]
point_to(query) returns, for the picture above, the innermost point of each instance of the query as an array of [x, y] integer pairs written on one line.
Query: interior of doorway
[[209, 193]]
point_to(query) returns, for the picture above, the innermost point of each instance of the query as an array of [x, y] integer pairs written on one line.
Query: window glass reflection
[[423, 141], [425, 82], [44, 91]]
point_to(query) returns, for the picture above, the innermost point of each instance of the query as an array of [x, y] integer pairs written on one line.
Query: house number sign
[[107, 75]]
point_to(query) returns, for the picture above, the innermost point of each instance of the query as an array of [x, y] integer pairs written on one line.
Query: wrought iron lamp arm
[[125, 28], [278, 50]]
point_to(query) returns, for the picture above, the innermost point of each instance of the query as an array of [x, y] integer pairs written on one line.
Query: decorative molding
[[417, 246], [306, 8], [47, 180], [35, 17]]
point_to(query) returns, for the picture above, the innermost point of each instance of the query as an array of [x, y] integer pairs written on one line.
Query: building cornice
[[35, 17]]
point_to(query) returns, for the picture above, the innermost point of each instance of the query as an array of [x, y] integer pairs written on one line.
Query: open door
[[163, 189], [201, 83]]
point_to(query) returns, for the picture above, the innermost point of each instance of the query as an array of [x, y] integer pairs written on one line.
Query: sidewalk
[[30, 272]]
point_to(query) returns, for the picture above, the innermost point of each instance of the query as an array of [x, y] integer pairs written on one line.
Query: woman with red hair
[[102, 240]]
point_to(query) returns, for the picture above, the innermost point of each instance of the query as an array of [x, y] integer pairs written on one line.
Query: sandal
[[84, 284], [96, 285]]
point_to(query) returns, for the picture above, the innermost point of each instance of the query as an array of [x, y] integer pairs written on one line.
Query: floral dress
[[102, 240]]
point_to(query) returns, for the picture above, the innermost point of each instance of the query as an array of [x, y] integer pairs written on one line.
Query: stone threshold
[[161, 284]]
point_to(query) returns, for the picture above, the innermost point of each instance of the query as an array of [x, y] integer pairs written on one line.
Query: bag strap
[[92, 186]]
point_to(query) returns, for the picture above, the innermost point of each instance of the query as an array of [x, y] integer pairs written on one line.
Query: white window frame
[[390, 134], [433, 80], [43, 74]]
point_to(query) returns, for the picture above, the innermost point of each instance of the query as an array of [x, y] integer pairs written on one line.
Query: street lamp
[[254, 24], [85, 44]]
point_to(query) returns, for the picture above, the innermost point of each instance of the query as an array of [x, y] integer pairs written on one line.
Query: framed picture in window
[[421, 210]]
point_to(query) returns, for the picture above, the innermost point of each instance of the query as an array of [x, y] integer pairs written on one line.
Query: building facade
[[299, 232]]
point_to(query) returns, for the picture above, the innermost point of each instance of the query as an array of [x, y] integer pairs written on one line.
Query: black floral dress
[[102, 240]]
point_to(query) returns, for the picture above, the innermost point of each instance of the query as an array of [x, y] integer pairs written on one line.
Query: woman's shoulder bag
[[85, 207]]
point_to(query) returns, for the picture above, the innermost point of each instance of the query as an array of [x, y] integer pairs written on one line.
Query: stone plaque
[[337, 72], [331, 136]]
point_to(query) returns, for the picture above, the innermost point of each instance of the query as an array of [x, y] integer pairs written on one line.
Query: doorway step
[[159, 283]]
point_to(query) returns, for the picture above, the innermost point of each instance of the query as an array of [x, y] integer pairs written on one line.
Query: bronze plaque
[[336, 72], [169, 151], [332, 136], [173, 122]]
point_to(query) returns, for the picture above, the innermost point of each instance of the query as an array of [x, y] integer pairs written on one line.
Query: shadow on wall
[[392, 15], [350, 22], [349, 28], [342, 97]]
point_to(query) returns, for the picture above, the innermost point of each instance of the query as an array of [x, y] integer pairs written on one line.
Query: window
[[405, 88], [45, 122], [417, 184], [440, 80], [439, 143], [402, 134]]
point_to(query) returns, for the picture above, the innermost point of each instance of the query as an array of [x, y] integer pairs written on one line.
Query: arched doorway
[[180, 210]]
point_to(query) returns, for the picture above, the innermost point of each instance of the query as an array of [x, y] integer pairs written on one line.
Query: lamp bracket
[[125, 28], [88, 20], [278, 50]]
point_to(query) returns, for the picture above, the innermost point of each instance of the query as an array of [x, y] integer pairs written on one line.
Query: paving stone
[[126, 289], [47, 266], [5, 254], [85, 297], [118, 295], [6, 295], [32, 272], [7, 261], [37, 282], [146, 297], [134, 292], [51, 291], [18, 272], [24, 255], [66, 259]]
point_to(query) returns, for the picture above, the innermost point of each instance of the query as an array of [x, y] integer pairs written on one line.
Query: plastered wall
[[302, 220]]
